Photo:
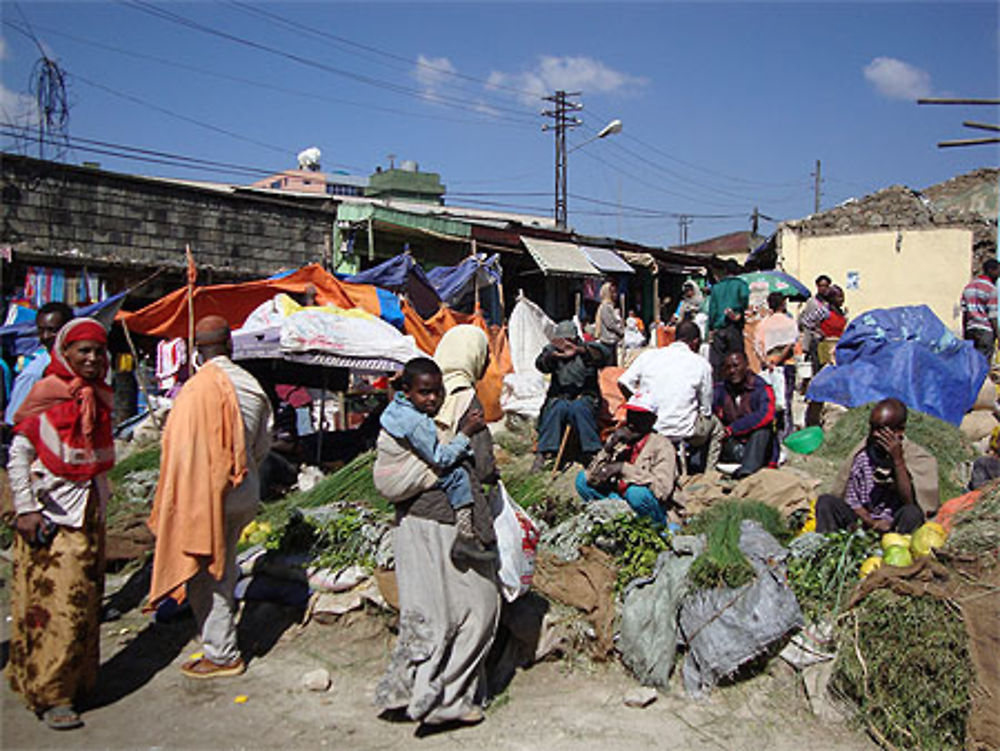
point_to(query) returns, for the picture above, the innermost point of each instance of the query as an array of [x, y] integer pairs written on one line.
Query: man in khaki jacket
[[635, 464]]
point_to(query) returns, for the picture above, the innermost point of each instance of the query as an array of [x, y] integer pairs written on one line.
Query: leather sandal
[[206, 668], [62, 718]]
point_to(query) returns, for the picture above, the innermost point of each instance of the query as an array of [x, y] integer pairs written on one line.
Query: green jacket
[[732, 293]]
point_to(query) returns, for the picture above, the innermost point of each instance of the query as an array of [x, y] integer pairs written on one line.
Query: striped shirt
[[863, 491], [979, 304]]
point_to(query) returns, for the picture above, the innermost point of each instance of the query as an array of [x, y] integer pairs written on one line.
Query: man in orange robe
[[217, 434]]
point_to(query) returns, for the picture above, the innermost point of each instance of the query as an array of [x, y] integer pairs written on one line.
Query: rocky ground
[[570, 703]]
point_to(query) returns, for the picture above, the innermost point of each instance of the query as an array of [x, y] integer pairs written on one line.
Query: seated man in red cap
[[216, 436], [635, 464]]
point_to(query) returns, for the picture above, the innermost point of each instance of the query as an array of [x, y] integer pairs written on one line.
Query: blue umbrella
[[779, 281]]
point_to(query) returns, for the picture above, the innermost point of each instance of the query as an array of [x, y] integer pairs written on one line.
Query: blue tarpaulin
[[455, 282], [402, 274], [908, 353]]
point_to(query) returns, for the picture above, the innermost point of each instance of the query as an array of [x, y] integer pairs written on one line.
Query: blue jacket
[[402, 420], [744, 413]]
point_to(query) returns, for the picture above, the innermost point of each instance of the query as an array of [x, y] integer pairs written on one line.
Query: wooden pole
[[190, 309], [142, 386], [562, 448]]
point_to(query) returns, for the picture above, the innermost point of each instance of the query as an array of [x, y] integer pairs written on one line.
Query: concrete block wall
[[110, 218]]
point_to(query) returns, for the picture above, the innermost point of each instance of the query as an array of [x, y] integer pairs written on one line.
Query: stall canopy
[[606, 260], [559, 258], [168, 316], [403, 274], [457, 284]]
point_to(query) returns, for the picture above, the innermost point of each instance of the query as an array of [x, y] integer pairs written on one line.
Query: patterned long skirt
[[56, 594], [447, 621]]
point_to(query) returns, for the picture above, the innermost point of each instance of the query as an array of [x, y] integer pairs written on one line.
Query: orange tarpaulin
[[427, 334], [168, 318]]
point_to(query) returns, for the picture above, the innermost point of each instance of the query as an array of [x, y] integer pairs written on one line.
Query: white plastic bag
[[517, 541]]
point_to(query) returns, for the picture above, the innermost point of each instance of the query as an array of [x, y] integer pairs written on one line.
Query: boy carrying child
[[411, 459]]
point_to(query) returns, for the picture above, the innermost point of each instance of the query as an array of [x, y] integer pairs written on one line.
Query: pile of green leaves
[[352, 483], [333, 543], [904, 662], [976, 531], [943, 440], [634, 541], [138, 461], [823, 580], [723, 563]]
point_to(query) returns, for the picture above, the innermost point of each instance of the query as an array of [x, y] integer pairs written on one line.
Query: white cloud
[[432, 73], [17, 109], [896, 79], [568, 73]]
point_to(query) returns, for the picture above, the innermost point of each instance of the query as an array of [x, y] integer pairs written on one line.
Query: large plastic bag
[[517, 542]]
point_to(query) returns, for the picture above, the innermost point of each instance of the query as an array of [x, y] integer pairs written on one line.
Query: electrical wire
[[141, 5], [311, 96]]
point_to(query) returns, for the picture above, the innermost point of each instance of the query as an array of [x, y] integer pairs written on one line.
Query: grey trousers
[[213, 601], [708, 430]]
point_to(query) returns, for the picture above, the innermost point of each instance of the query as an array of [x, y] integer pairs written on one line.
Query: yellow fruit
[[891, 540], [869, 565], [937, 528], [898, 555], [927, 538]]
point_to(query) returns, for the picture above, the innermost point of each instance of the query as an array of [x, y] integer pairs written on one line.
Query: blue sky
[[726, 106]]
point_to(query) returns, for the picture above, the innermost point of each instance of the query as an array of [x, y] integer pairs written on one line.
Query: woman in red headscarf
[[59, 458]]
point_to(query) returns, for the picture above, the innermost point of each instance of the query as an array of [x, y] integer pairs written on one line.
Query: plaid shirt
[[979, 304], [878, 499]]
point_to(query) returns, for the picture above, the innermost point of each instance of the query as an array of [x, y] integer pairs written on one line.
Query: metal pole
[[816, 189]]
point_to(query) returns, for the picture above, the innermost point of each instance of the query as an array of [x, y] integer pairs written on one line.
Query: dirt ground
[[143, 701]]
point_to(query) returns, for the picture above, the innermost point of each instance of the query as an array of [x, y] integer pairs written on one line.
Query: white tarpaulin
[[331, 330], [528, 331]]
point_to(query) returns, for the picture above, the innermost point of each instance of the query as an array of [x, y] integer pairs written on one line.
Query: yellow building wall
[[886, 269]]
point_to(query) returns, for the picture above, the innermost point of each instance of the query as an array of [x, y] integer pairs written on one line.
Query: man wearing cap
[[635, 464], [574, 392], [216, 436]]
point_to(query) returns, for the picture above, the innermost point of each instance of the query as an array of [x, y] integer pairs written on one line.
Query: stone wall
[[63, 214]]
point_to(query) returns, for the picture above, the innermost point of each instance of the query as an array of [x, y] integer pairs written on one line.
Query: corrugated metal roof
[[559, 259], [606, 260]]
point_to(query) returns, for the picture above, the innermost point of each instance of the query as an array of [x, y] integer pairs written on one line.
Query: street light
[[615, 126]]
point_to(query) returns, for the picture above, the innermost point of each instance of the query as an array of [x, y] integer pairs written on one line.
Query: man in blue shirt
[[50, 318]]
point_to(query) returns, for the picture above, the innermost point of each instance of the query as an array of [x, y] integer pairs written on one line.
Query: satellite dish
[[309, 159]]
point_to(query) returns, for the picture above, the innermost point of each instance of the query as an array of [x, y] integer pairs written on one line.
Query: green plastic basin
[[805, 441]]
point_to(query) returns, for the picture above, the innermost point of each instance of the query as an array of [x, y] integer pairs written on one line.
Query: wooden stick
[[562, 448], [190, 307], [142, 386]]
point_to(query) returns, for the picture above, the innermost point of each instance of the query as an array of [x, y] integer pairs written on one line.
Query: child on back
[[409, 420]]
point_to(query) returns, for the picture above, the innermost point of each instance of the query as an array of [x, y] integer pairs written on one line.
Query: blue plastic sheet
[[907, 353], [402, 274]]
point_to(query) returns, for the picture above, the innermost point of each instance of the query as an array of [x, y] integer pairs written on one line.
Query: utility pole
[[816, 190], [561, 121], [682, 225], [755, 220]]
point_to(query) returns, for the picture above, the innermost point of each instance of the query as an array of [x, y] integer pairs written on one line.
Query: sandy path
[[553, 706]]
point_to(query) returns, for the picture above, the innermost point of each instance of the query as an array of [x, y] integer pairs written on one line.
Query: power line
[[311, 95], [376, 52], [360, 78]]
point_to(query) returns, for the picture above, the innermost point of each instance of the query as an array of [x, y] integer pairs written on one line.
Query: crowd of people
[[693, 405]]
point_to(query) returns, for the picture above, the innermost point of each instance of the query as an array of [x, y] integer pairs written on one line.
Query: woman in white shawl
[[448, 615]]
